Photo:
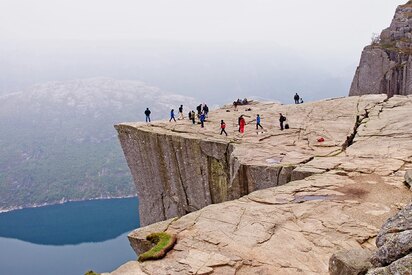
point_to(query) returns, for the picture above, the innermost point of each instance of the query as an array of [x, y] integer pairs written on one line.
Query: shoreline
[[63, 201]]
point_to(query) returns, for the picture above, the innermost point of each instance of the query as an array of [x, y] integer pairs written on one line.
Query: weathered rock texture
[[352, 183], [386, 65], [179, 167], [394, 240], [351, 262]]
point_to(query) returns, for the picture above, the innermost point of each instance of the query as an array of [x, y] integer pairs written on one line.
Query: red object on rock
[[321, 139]]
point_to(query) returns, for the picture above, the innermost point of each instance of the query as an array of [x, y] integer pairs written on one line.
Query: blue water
[[68, 239]]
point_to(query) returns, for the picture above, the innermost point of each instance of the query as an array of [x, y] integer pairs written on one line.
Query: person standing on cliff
[[172, 115], [147, 113], [296, 98], [282, 119], [206, 110], [181, 112], [222, 127], [202, 119], [242, 124], [258, 122], [193, 117]]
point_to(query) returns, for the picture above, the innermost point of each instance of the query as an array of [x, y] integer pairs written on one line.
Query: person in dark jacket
[[222, 127], [206, 110], [199, 110], [258, 122], [172, 115], [282, 119], [296, 98], [193, 117], [147, 113], [181, 112]]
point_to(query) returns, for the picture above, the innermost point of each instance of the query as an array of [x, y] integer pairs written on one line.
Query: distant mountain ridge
[[57, 141]]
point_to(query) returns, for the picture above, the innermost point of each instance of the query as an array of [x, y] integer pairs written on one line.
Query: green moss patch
[[163, 241], [91, 272]]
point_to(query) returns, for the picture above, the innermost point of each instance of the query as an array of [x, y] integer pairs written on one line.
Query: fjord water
[[70, 238]]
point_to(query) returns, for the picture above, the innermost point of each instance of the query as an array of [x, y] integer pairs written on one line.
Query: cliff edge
[[386, 65], [339, 191], [179, 167]]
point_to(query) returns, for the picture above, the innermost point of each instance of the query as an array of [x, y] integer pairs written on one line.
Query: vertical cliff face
[[180, 168], [176, 175], [386, 65]]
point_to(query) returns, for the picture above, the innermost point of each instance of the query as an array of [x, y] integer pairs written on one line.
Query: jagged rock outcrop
[[179, 168], [386, 65], [394, 243], [393, 256], [357, 183]]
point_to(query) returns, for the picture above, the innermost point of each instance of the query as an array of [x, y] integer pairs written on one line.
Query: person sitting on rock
[[222, 127], [172, 115]]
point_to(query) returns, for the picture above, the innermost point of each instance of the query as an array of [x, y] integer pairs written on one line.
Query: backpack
[[286, 126]]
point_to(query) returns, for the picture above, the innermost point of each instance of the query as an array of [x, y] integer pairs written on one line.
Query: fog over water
[[216, 50]]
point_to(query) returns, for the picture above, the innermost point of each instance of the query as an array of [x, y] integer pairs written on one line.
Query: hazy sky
[[48, 39]]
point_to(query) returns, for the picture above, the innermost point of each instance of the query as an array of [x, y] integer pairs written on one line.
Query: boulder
[[394, 240], [403, 266], [408, 178], [350, 262]]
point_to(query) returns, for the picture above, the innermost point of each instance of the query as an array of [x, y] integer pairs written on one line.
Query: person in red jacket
[[222, 127], [242, 124]]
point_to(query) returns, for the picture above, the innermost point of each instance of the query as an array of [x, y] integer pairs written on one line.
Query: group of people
[[242, 124], [203, 110], [240, 102]]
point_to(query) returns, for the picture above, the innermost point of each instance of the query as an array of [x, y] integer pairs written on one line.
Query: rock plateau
[[271, 201]]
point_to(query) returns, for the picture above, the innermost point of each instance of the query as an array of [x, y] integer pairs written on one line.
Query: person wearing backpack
[[222, 127], [147, 113], [282, 119]]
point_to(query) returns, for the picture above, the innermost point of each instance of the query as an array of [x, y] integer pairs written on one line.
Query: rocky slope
[[339, 192], [57, 141], [386, 65]]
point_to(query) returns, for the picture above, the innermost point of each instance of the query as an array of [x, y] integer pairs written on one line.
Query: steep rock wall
[[176, 175], [386, 65]]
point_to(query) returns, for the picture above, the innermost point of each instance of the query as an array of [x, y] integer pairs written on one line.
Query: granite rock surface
[[338, 193]]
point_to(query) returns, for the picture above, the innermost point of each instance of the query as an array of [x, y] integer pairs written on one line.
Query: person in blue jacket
[[172, 115], [258, 122], [202, 119]]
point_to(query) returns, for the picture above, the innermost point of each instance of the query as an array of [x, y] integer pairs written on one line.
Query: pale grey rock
[[386, 66], [408, 178], [403, 266], [350, 262], [394, 240]]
